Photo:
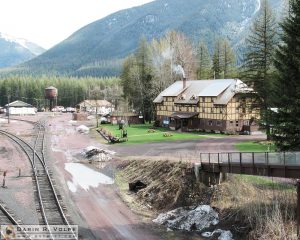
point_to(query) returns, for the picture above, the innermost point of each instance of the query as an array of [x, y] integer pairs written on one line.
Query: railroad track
[[50, 207], [6, 218]]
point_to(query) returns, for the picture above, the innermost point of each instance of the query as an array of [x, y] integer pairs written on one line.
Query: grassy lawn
[[254, 147], [140, 134], [265, 182]]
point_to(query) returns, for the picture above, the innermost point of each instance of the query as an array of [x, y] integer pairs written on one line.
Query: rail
[[29, 150], [12, 220]]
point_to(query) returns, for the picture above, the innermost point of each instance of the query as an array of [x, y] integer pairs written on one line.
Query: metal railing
[[267, 158]]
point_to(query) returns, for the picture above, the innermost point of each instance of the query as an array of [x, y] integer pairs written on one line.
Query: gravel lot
[[18, 196]]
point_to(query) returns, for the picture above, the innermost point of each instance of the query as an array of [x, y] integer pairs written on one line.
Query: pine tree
[[217, 60], [258, 70], [137, 80], [145, 79], [229, 61], [204, 61], [287, 86]]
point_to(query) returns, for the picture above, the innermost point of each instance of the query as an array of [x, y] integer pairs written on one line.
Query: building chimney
[[184, 82]]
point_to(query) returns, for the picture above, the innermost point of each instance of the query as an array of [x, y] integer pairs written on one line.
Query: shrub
[[167, 134]]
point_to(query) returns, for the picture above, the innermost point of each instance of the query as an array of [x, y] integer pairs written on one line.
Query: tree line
[[270, 64], [71, 90]]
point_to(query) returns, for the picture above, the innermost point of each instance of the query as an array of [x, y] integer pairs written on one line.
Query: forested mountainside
[[98, 48]]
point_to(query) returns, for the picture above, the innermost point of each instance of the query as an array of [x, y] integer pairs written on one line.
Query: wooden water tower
[[51, 97]]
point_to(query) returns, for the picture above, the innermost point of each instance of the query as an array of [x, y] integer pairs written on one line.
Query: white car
[[70, 109]]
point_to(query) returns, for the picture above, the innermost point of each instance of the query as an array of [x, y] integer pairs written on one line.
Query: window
[[203, 99], [203, 110], [212, 110], [193, 97], [219, 123], [236, 123], [210, 123]]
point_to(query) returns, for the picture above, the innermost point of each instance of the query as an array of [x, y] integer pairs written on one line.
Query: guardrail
[[275, 164]]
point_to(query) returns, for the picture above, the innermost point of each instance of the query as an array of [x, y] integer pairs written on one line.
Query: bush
[[151, 131], [167, 134], [156, 123]]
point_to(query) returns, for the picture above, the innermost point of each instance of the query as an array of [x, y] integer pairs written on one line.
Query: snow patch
[[21, 41], [83, 129], [190, 218], [91, 117], [85, 177], [72, 122], [97, 154], [224, 235]]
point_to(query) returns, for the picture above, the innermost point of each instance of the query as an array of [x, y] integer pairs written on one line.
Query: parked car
[[58, 109], [70, 109], [103, 120]]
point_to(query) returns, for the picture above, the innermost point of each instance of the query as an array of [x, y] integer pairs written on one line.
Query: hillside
[[16, 50], [98, 48]]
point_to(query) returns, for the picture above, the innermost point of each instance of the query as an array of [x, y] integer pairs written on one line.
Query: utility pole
[[8, 102]]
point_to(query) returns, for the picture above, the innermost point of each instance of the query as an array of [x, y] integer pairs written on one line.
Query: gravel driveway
[[182, 149]]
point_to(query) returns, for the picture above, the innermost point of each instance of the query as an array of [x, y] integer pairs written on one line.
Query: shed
[[102, 107], [20, 108], [127, 117]]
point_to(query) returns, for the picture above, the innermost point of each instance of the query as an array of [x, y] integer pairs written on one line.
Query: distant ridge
[[98, 48], [17, 50]]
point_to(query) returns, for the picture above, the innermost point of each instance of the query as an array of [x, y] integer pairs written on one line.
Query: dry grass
[[169, 184], [251, 207], [268, 212]]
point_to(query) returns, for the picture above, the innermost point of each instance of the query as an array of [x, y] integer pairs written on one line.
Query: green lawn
[[266, 182], [140, 134], [254, 147]]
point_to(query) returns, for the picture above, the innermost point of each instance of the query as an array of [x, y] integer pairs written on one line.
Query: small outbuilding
[[125, 117], [102, 107], [19, 108]]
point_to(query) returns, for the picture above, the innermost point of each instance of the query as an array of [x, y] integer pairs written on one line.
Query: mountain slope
[[17, 50], [94, 48]]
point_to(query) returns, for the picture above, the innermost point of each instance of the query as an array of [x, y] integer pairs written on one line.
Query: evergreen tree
[[287, 85], [229, 61], [258, 69], [217, 60], [204, 62], [137, 81]]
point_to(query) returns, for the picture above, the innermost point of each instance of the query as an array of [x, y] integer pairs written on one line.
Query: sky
[[48, 22]]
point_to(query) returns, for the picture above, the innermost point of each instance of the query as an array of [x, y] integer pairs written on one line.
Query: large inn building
[[206, 105]]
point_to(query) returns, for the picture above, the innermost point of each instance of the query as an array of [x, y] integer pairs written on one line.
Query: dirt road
[[184, 149], [99, 207]]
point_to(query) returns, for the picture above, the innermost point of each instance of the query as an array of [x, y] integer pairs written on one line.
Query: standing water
[[85, 177]]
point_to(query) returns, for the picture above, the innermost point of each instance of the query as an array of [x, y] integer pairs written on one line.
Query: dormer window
[[193, 97], [182, 97]]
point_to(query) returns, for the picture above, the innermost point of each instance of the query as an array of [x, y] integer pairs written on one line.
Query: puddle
[[85, 177]]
